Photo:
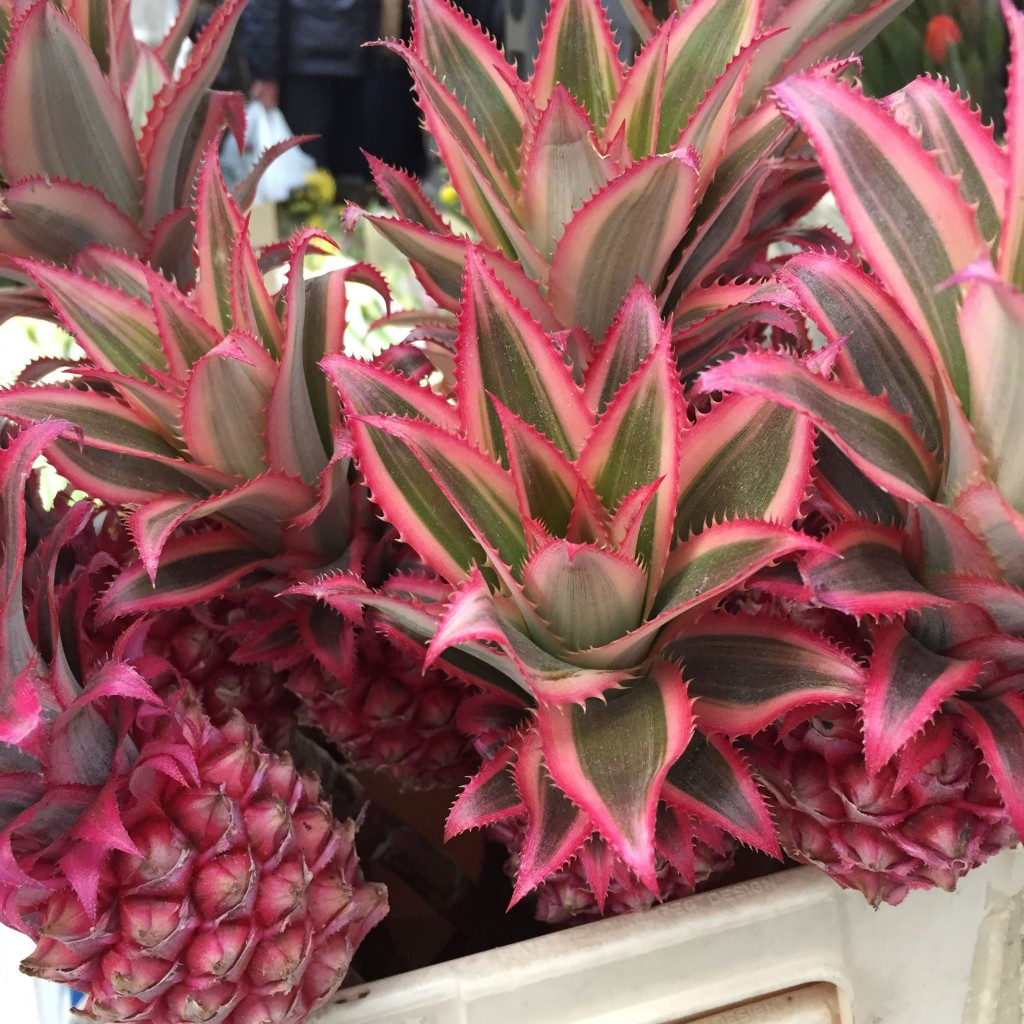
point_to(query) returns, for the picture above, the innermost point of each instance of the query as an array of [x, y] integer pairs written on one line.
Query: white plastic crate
[[791, 948]]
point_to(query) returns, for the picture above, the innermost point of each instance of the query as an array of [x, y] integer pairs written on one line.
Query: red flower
[[940, 33]]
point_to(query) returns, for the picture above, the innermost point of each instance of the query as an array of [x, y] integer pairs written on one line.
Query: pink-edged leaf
[[743, 672], [992, 326], [964, 146], [546, 483], [54, 219], [868, 574], [172, 247], [115, 331], [637, 443], [298, 419], [162, 409], [883, 352], [718, 559], [999, 725], [86, 136], [937, 543], [473, 621], [1003, 603], [588, 596], [252, 308], [502, 352], [170, 143], [633, 336], [578, 52], [712, 782], [437, 259], [218, 223], [627, 230], [906, 685], [905, 214], [103, 421], [555, 828], [225, 407], [119, 476], [171, 44], [403, 193], [192, 569], [746, 457], [114, 268], [261, 508], [489, 796], [19, 707], [709, 128], [816, 30], [635, 114], [186, 336], [400, 485], [878, 440], [476, 486], [702, 42], [563, 170], [611, 758], [476, 72], [671, 79], [483, 187], [149, 76], [995, 521], [1011, 243]]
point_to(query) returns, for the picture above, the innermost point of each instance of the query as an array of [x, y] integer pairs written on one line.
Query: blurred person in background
[[307, 58]]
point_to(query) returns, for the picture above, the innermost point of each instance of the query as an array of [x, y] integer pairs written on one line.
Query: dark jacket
[[308, 37]]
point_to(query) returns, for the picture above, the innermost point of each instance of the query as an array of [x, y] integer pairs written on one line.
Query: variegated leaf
[[1011, 245], [195, 568], [226, 407], [555, 827], [747, 457], [86, 136], [611, 758], [478, 75], [578, 53], [502, 352], [906, 685], [489, 796], [879, 441], [712, 782], [999, 725], [627, 230], [636, 443], [905, 214], [563, 170], [948, 126], [744, 672]]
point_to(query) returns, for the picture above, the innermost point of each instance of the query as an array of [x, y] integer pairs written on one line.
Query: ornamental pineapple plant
[[170, 869], [920, 482], [253, 491], [100, 143], [669, 596]]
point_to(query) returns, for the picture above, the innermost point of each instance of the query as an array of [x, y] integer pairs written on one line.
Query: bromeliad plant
[[590, 522], [100, 143], [206, 419], [593, 173], [922, 461], [169, 869]]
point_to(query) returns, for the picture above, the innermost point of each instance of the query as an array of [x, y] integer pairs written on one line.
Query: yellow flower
[[321, 186], [448, 195]]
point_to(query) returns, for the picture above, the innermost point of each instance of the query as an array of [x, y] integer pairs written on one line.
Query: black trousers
[[334, 109]]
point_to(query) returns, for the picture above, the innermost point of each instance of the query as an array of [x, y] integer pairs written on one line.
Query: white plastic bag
[[263, 129]]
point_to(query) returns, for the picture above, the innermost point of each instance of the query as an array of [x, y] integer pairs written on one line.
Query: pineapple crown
[[917, 401], [590, 524], [100, 142], [204, 407]]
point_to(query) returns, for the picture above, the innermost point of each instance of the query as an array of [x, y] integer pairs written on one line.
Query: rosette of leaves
[[590, 522]]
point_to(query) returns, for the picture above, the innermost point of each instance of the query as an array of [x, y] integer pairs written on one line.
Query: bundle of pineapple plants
[[608, 546]]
